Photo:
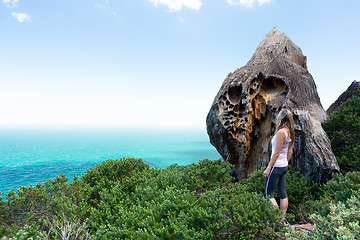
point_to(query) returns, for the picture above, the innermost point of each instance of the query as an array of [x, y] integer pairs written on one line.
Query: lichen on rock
[[241, 120]]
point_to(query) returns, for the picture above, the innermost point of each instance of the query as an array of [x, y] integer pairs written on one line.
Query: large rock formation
[[344, 96], [241, 121]]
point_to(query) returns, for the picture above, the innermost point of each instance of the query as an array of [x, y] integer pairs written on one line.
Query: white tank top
[[282, 159]]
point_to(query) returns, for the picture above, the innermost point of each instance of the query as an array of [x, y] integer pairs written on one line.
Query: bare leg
[[283, 206], [273, 201]]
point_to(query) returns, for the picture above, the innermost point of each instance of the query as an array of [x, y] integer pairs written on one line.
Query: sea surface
[[30, 156]]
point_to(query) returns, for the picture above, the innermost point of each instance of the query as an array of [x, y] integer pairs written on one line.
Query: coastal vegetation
[[127, 199], [343, 129]]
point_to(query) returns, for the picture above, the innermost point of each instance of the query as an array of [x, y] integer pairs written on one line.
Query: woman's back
[[282, 159]]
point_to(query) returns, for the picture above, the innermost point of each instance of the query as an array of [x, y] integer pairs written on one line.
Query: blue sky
[[156, 63]]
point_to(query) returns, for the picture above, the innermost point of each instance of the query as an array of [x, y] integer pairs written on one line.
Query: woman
[[282, 146]]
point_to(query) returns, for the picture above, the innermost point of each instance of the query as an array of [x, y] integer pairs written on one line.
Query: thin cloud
[[247, 3], [10, 3], [181, 20], [100, 6], [177, 5], [21, 17], [106, 9]]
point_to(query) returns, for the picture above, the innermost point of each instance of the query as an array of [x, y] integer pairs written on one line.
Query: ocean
[[30, 156]]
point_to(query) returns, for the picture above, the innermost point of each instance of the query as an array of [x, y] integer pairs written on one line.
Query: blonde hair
[[285, 119]]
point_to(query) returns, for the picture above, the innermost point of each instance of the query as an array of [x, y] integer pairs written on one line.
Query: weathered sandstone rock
[[344, 96], [241, 121]]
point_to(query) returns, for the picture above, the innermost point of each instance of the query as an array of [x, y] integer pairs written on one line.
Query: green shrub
[[342, 222], [147, 214], [229, 213], [25, 233], [126, 199], [205, 175], [185, 202], [301, 193], [255, 182], [343, 129], [197, 201], [339, 189], [30, 206], [106, 173]]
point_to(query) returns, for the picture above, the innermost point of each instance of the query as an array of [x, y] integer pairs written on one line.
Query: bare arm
[[290, 151], [280, 137]]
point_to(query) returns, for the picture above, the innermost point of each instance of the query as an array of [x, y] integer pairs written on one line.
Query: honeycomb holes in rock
[[252, 123]]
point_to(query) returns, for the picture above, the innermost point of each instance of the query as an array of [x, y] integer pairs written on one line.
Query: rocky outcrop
[[344, 96], [241, 120]]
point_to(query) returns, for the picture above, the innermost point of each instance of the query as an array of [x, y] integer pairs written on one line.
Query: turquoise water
[[33, 156]]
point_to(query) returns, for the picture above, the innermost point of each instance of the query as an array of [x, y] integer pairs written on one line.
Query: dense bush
[[343, 129], [33, 206], [126, 199], [231, 214], [342, 222], [184, 202], [337, 212], [339, 189], [301, 191]]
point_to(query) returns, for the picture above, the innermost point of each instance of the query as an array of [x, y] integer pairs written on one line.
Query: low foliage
[[343, 129], [126, 199], [342, 222], [337, 212], [30, 206], [339, 189], [301, 191]]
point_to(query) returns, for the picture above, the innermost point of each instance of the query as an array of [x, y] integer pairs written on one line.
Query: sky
[[155, 63]]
